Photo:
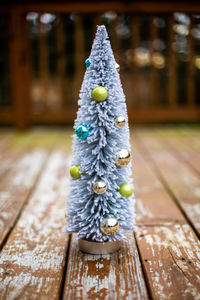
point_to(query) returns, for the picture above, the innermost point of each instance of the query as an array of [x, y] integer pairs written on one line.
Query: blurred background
[[44, 46]]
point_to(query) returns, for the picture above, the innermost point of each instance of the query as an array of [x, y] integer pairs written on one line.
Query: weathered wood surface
[[186, 148], [33, 259], [16, 187], [161, 261], [182, 182], [154, 205], [170, 256], [112, 276]]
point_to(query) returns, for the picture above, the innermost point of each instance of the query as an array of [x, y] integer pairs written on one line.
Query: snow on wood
[[32, 261]]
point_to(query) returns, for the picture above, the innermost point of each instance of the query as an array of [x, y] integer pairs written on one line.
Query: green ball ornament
[[75, 172], [99, 93], [126, 189]]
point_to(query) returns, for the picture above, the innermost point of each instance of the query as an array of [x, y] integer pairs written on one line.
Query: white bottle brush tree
[[101, 202]]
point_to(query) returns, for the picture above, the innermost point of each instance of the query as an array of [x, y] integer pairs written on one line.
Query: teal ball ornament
[[99, 93], [126, 189], [82, 131], [87, 62]]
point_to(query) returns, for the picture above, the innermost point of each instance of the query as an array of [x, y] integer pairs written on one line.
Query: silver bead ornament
[[123, 157], [109, 225], [120, 121], [117, 66], [99, 187]]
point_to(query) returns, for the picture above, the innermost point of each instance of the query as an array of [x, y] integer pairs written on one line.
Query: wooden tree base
[[99, 248]]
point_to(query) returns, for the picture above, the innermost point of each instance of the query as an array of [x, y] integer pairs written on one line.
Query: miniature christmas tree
[[101, 202]]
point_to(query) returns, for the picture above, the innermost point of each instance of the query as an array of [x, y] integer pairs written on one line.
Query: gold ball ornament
[[123, 157], [120, 121], [109, 225], [117, 66], [99, 187]]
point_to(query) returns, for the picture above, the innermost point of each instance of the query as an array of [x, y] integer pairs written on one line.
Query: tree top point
[[101, 32]]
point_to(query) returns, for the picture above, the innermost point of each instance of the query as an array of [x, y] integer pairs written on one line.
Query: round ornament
[[126, 189], [82, 131], [123, 157], [99, 93], [120, 121], [87, 62], [75, 172], [117, 66], [99, 187], [109, 225]]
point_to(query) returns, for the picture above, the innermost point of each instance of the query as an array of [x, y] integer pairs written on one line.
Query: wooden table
[[161, 260]]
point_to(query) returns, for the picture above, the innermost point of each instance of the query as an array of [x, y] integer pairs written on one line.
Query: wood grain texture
[[19, 69], [32, 261], [61, 60], [16, 186], [185, 148], [4, 141], [43, 64], [103, 277], [191, 65], [119, 6], [12, 149], [154, 84], [172, 93], [183, 184], [170, 256], [153, 204]]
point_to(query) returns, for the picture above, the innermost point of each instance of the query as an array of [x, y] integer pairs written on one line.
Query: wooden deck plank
[[185, 148], [33, 258], [4, 141], [20, 168], [168, 248], [113, 276], [12, 150], [183, 184], [170, 258], [153, 204], [32, 261], [17, 185], [103, 277]]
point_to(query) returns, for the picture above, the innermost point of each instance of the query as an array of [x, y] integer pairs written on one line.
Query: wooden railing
[[158, 51]]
